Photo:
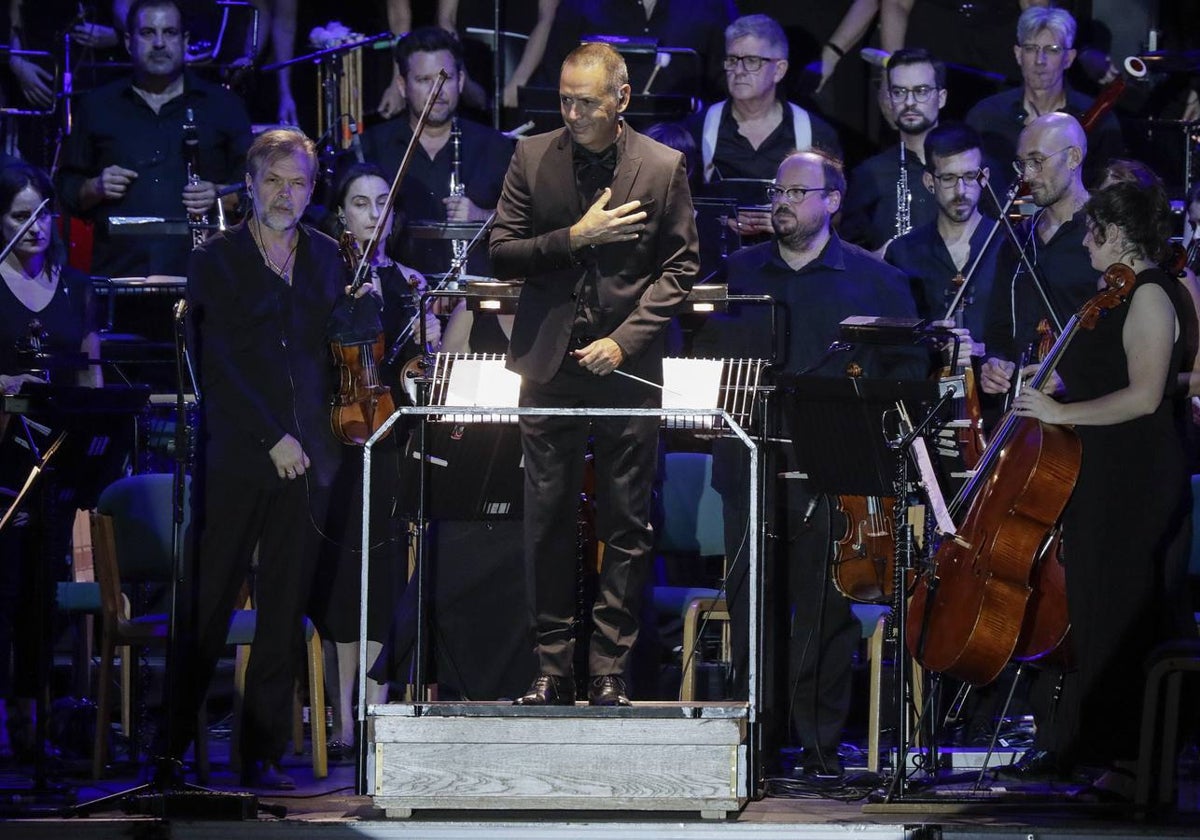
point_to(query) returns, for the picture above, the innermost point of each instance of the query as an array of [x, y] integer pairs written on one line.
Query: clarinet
[[191, 156], [903, 198], [457, 187]]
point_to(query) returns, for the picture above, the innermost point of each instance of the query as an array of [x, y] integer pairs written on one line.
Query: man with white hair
[[1044, 50]]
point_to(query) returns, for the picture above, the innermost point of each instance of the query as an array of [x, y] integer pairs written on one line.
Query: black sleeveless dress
[[1130, 499]]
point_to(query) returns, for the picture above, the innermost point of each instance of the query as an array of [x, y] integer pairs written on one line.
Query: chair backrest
[[140, 508], [693, 519]]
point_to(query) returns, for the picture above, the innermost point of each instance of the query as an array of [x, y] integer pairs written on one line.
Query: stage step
[[653, 756]]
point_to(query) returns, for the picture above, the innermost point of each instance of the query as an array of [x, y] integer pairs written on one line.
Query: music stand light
[[492, 297]]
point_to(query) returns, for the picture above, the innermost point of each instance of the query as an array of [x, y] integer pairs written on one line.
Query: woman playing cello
[[1114, 384]]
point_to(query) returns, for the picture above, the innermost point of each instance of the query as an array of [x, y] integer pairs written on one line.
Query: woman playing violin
[[360, 205], [1115, 385]]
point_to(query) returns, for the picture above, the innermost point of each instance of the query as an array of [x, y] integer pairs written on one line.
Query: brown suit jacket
[[641, 284]]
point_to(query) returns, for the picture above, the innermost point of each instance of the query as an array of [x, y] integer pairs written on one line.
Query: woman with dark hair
[[1115, 384], [359, 208], [47, 331]]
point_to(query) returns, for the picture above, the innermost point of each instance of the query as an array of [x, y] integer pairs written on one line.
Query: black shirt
[[1016, 308], [734, 157], [923, 256], [114, 125], [484, 158], [263, 358], [869, 211]]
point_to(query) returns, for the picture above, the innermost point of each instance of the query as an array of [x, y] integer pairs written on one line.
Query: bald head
[[1056, 129], [1050, 151]]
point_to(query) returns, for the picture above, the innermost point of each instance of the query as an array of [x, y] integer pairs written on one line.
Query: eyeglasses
[[750, 63], [921, 93], [793, 195], [1034, 164], [1037, 50], [949, 179]]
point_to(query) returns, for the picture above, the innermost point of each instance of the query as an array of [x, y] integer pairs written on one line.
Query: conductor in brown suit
[[597, 220]]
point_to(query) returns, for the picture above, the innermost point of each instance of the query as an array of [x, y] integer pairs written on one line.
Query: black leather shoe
[[608, 690], [548, 690], [1037, 764]]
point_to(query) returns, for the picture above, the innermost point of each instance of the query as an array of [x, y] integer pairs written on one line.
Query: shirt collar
[[832, 257]]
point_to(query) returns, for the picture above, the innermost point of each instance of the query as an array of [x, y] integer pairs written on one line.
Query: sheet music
[[693, 383], [481, 383]]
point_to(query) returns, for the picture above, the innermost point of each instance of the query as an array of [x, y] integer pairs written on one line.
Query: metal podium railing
[[717, 416]]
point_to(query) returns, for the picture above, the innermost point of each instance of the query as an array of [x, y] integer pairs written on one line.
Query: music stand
[[76, 434], [840, 432]]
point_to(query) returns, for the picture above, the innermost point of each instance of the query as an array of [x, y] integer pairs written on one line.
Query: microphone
[[809, 511], [355, 141]]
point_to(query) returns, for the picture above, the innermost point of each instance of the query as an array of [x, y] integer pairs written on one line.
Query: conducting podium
[[654, 755]]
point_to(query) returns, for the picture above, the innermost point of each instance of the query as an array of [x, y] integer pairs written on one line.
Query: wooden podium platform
[[653, 756]]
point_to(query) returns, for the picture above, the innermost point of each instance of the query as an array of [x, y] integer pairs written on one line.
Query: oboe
[[191, 156], [457, 187], [903, 198]]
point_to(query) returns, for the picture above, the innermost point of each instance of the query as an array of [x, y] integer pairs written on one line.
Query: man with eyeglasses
[[916, 83], [939, 254], [748, 134], [125, 153], [1044, 50], [818, 280], [1050, 155]]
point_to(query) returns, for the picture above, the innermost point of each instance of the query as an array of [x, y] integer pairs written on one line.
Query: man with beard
[[818, 280], [483, 153], [916, 88], [1050, 156], [125, 154], [1044, 50], [261, 294], [938, 254]]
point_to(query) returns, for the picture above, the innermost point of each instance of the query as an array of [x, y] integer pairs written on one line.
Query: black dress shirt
[[114, 125], [1016, 308], [923, 256], [735, 157], [263, 358], [869, 211], [484, 158]]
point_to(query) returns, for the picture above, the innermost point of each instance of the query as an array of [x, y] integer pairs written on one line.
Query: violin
[[362, 402], [969, 426], [995, 592], [864, 557]]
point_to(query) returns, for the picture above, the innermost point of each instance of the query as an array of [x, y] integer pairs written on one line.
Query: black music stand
[[77, 434], [847, 445]]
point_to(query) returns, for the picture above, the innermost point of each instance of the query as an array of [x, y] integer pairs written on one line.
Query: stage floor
[[328, 808]]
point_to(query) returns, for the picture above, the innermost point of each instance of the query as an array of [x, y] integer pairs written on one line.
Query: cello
[[979, 599], [362, 402]]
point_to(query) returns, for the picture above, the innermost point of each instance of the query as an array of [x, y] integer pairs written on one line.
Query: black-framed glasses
[[921, 93], [949, 179], [793, 195], [750, 63], [1035, 164], [1048, 50]]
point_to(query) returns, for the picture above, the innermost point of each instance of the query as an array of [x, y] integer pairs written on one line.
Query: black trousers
[[810, 633], [625, 451], [229, 520]]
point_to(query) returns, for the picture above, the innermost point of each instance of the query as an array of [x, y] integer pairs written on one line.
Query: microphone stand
[[1038, 283]]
